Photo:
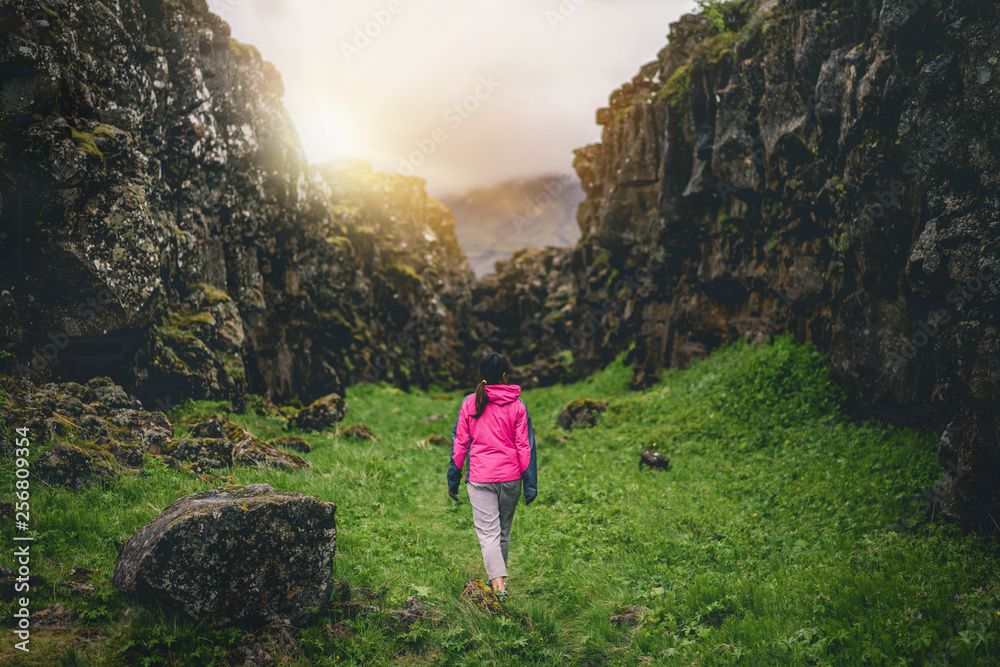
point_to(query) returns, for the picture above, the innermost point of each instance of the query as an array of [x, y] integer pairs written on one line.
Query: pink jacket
[[497, 442]]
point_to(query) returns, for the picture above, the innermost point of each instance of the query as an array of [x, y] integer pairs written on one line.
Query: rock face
[[823, 168], [160, 224], [239, 554]]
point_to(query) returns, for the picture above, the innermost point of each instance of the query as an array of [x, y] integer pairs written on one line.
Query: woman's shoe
[[502, 597]]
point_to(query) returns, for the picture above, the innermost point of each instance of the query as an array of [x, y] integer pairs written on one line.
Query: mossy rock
[[356, 431], [290, 442], [218, 439], [437, 441], [70, 466], [320, 415], [85, 143], [480, 594], [237, 554], [581, 413]]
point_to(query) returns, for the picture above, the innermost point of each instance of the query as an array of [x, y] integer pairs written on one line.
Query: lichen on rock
[[244, 554]]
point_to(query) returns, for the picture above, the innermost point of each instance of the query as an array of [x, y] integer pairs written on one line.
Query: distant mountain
[[493, 222]]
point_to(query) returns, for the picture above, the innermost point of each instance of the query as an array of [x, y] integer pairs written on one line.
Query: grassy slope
[[774, 538]]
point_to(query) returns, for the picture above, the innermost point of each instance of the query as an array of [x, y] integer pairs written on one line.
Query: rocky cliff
[[161, 225], [826, 168]]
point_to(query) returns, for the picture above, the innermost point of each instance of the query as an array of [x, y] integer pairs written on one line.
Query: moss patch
[[85, 143]]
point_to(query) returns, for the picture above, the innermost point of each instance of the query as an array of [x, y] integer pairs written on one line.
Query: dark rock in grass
[[321, 415], [68, 465], [415, 610], [272, 646], [433, 418], [581, 413], [150, 428], [437, 441], [336, 632], [6, 510], [353, 609], [78, 589], [205, 466], [218, 439], [653, 459], [481, 595], [291, 442], [81, 574], [233, 554], [630, 616], [342, 592], [356, 431], [53, 617], [128, 454]]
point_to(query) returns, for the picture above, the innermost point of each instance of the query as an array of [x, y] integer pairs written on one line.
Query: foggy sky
[[380, 79]]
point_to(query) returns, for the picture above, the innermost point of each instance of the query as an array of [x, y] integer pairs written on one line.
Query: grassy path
[[783, 534]]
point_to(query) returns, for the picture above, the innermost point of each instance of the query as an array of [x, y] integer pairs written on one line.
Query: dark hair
[[491, 368]]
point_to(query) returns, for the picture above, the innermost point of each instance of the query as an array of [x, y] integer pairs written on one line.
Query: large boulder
[[237, 554]]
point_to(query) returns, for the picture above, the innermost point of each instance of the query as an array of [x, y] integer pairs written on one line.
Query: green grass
[[775, 538]]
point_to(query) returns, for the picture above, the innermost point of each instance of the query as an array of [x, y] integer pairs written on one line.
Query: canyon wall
[[826, 168], [159, 222]]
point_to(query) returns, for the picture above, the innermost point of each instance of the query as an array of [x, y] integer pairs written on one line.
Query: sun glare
[[325, 136]]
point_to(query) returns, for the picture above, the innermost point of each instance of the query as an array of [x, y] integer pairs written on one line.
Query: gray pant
[[493, 506]]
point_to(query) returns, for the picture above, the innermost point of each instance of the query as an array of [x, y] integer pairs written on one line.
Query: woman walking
[[494, 441]]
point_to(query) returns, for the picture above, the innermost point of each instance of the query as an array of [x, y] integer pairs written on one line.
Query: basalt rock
[[292, 442], [221, 443], [174, 236], [822, 168], [653, 459], [581, 413], [239, 554], [436, 440], [69, 465], [54, 617], [320, 415], [356, 432]]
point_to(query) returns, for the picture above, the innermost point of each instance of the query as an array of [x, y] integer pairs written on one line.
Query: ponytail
[[492, 368]]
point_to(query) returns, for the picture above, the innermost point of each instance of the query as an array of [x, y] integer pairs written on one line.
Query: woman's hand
[[453, 493]]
